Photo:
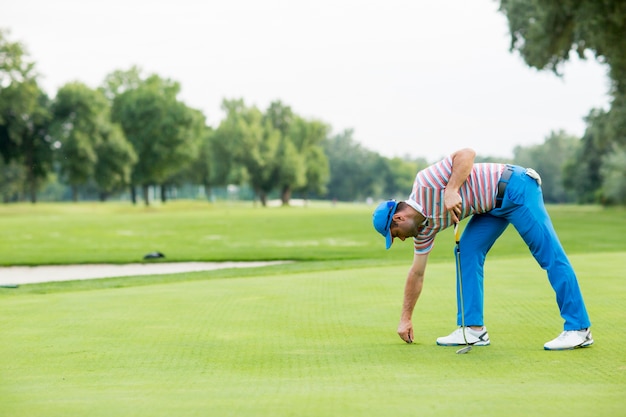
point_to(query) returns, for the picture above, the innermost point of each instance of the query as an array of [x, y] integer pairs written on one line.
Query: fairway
[[310, 344]]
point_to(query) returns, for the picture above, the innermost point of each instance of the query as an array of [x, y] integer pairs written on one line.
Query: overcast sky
[[411, 77]]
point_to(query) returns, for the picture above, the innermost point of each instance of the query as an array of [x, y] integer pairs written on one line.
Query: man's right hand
[[405, 331], [453, 204]]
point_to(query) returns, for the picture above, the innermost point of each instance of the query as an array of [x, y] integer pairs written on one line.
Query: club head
[[464, 350]]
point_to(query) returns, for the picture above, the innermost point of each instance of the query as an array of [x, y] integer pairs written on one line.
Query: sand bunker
[[19, 275]]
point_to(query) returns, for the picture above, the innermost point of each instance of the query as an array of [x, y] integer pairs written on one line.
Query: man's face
[[403, 226]]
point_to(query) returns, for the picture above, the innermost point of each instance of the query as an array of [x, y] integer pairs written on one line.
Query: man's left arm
[[462, 163]]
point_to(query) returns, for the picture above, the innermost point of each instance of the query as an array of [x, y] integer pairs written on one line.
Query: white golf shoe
[[570, 339], [474, 337]]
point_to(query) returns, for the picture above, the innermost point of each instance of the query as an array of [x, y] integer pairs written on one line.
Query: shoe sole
[[463, 344], [583, 345]]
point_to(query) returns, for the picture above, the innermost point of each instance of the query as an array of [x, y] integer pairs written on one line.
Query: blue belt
[[504, 181]]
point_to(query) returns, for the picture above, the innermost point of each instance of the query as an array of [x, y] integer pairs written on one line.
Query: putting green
[[311, 344]]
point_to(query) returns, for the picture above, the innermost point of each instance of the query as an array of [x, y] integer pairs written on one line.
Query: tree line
[[132, 133]]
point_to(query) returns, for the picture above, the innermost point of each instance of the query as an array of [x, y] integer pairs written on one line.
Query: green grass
[[314, 338], [185, 231], [192, 231]]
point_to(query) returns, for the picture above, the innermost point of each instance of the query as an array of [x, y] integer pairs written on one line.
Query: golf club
[[459, 277]]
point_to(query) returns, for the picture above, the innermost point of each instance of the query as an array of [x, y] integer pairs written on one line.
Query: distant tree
[[252, 143], [289, 164], [317, 173], [80, 117], [290, 169], [309, 137], [185, 173], [24, 115], [118, 82], [223, 168], [200, 170], [162, 130], [356, 173], [116, 158], [15, 65], [582, 172], [402, 173], [280, 116], [614, 177], [12, 179], [549, 160]]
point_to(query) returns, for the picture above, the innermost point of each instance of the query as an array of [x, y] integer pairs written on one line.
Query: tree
[[116, 158], [582, 172], [309, 137], [120, 81], [290, 169], [197, 134], [12, 177], [15, 66], [545, 33], [355, 172], [252, 143], [614, 177], [223, 168], [402, 171], [289, 161], [80, 115], [24, 115], [200, 170], [162, 130], [549, 159]]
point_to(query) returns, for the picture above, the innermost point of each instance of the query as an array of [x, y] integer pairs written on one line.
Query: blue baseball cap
[[382, 219]]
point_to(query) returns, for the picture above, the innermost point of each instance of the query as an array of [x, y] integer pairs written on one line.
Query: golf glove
[[533, 174]]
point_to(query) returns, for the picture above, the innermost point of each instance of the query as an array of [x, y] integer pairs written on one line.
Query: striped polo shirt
[[478, 195]]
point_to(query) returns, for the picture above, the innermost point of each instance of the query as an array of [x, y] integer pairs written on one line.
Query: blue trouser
[[523, 207]]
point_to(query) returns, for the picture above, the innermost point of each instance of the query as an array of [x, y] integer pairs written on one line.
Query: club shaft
[[459, 275], [460, 278]]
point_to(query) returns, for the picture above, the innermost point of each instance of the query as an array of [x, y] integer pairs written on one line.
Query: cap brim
[[388, 239]]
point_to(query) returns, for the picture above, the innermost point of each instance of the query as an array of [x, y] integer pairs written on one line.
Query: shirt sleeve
[[422, 246]]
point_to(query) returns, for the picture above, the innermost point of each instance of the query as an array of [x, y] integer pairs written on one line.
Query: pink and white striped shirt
[[478, 195]]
